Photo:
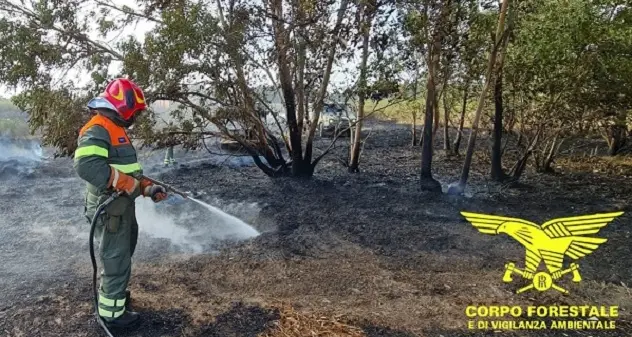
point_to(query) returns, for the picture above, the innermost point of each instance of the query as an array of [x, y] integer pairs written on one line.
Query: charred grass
[[363, 254]]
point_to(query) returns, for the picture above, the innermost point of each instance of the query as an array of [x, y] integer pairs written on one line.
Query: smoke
[[193, 227], [18, 156], [20, 150]]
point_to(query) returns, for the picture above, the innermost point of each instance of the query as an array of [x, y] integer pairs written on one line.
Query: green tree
[[474, 33], [568, 74], [500, 36], [428, 23], [211, 58]]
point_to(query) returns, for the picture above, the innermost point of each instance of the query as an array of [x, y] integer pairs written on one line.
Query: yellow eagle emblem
[[550, 242]]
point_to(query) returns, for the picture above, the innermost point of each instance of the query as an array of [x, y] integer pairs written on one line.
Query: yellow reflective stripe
[[91, 150], [111, 303], [110, 314], [129, 168]]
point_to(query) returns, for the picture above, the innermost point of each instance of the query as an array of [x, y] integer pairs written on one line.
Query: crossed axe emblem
[[541, 280]]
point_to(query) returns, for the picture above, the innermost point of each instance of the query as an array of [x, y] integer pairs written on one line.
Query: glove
[[157, 193], [122, 182]]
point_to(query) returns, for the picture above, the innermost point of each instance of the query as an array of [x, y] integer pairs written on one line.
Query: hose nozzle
[[167, 187]]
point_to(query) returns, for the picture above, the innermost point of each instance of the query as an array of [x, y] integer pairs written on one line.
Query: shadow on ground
[[154, 323], [241, 320]]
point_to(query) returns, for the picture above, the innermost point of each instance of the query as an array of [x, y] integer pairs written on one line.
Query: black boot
[[128, 300], [127, 320]]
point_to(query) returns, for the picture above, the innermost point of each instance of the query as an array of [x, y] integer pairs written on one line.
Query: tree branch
[[129, 12]]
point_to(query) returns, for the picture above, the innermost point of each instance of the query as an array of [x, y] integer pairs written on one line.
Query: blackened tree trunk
[[459, 135], [547, 166], [520, 166], [427, 182], [617, 138], [497, 173], [414, 111], [489, 78], [437, 115], [300, 166], [414, 128], [446, 122], [306, 110], [300, 81]]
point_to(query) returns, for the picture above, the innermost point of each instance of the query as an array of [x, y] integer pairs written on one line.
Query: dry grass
[[402, 111], [314, 299], [296, 324], [619, 165]]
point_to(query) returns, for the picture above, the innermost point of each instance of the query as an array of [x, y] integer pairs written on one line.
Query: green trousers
[[169, 156], [118, 235]]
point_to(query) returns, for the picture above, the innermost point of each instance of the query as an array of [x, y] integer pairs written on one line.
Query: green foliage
[[568, 62], [207, 56], [58, 114]]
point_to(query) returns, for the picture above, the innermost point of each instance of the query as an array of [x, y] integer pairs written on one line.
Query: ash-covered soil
[[364, 254]]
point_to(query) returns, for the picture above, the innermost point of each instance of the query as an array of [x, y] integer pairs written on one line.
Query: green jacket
[[103, 144]]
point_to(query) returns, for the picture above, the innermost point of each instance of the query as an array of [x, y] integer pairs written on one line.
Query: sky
[[339, 78]]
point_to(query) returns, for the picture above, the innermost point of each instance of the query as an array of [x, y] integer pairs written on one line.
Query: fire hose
[[96, 216], [167, 187]]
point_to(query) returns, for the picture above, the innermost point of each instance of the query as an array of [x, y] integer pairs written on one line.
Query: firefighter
[[169, 160], [106, 160]]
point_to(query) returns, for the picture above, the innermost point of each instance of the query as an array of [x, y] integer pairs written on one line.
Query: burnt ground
[[364, 254]]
